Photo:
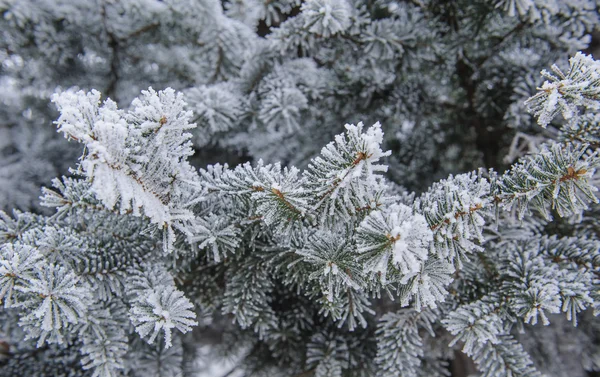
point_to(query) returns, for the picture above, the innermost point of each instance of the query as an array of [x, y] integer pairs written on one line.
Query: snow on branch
[[455, 210], [343, 178], [157, 305], [326, 17], [395, 237], [557, 178], [136, 161], [566, 93]]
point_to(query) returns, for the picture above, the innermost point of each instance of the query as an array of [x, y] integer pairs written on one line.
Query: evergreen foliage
[[316, 246]]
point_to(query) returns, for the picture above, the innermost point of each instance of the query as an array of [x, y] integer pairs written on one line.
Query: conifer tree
[[299, 188]]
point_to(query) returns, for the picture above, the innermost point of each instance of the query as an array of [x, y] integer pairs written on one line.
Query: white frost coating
[[78, 113], [530, 10], [165, 309], [396, 234], [345, 177], [474, 323], [334, 262], [283, 107], [216, 232], [566, 93], [219, 106], [18, 263], [521, 7], [428, 285], [57, 298], [455, 209], [136, 160], [369, 154], [539, 299], [372, 147], [326, 17]]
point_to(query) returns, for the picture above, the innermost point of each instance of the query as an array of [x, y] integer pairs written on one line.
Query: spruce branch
[[566, 93], [557, 177]]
